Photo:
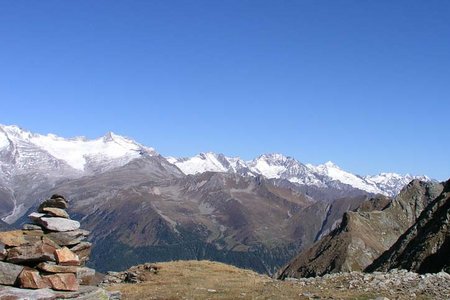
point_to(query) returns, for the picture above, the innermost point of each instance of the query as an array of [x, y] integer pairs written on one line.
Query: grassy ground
[[212, 280]]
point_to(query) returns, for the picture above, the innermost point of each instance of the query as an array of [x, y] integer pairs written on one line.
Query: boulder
[[63, 281], [19, 237], [55, 202], [57, 196], [55, 212], [68, 238], [31, 279], [83, 250], [55, 224], [51, 267], [9, 273], [65, 257], [40, 251]]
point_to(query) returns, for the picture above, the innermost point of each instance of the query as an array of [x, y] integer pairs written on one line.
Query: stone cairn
[[50, 253]]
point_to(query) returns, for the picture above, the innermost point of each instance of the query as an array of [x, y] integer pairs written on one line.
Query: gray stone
[[56, 202], [31, 227], [51, 267], [68, 238], [84, 293], [35, 216], [55, 224], [16, 294], [3, 252], [56, 212], [9, 273]]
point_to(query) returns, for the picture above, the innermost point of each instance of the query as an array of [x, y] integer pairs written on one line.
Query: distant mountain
[[142, 206], [31, 164], [363, 235], [425, 246], [278, 166]]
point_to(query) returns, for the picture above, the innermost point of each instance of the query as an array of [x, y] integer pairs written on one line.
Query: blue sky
[[365, 84]]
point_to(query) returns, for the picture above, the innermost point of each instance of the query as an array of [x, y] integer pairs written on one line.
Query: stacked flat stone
[[49, 253]]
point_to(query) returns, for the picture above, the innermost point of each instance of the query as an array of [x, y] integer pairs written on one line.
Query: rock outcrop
[[425, 246], [363, 236], [49, 254]]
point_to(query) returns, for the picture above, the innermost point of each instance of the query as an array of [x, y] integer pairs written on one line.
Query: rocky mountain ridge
[[425, 246], [364, 235], [31, 164], [278, 166]]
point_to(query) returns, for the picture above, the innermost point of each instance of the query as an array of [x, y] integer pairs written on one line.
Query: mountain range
[[142, 206]]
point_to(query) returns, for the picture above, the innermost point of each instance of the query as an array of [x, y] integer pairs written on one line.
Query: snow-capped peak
[[207, 162], [76, 152], [333, 172], [279, 166]]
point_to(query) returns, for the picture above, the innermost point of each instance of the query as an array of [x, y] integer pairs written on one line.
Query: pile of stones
[[49, 253], [135, 274]]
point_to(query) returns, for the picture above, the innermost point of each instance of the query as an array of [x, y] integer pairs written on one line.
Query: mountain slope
[[425, 246], [363, 236], [250, 222]]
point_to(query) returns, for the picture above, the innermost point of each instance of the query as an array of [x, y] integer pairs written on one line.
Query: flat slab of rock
[[68, 238], [55, 202], [65, 257], [54, 224], [56, 212], [40, 251], [63, 281], [31, 227], [16, 294], [84, 293], [54, 268], [9, 273], [19, 237], [31, 279]]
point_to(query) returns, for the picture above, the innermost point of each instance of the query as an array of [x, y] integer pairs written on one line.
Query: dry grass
[[212, 280]]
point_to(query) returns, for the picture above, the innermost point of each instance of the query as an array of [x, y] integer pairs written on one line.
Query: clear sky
[[365, 84]]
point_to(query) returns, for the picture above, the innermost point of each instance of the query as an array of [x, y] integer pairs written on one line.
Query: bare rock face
[[9, 273], [363, 236], [68, 238], [425, 246]]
